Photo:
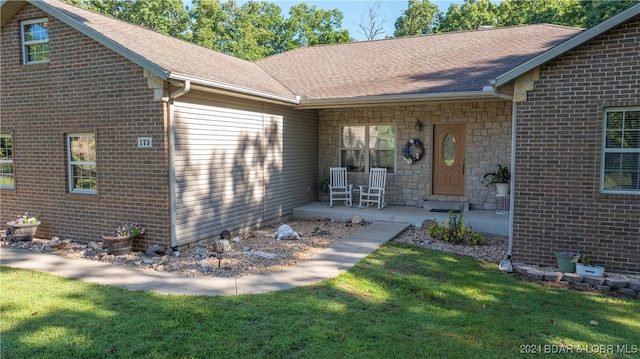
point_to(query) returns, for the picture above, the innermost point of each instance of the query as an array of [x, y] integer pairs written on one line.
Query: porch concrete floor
[[485, 221]]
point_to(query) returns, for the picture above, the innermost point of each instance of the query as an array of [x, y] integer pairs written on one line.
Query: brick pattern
[[558, 205], [84, 88], [488, 126]]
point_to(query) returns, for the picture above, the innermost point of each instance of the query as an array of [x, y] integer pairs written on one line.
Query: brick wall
[[559, 205], [488, 126], [84, 88]]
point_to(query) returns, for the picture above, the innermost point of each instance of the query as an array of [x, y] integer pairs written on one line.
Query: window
[[6, 161], [364, 147], [81, 148], [621, 151], [35, 41]]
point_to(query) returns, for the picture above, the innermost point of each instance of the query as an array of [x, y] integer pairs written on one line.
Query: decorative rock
[[164, 260], [137, 263], [160, 268], [522, 269], [200, 252], [552, 276], [616, 283], [286, 232], [581, 286], [536, 274], [427, 223], [221, 245], [627, 291], [573, 278], [147, 261], [603, 288], [634, 284], [594, 281], [155, 250], [356, 220], [236, 240], [93, 245]]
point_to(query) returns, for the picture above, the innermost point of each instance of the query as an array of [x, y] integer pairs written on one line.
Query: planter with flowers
[[585, 267], [22, 228], [120, 240]]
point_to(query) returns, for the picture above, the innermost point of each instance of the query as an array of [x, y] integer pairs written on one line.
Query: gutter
[[512, 184], [172, 172], [235, 89], [388, 99]]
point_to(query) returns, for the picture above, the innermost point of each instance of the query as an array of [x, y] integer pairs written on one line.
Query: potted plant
[[323, 182], [23, 228], [120, 240], [500, 178], [567, 261], [586, 267]]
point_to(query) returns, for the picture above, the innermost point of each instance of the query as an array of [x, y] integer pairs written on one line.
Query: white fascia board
[[233, 89], [566, 46], [391, 99]]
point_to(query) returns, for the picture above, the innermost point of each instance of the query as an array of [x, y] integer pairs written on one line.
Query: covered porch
[[483, 221]]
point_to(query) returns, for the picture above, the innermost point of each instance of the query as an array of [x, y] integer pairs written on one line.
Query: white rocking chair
[[374, 192], [339, 190]]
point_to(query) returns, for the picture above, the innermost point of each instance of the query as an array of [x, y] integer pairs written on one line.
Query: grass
[[399, 302]]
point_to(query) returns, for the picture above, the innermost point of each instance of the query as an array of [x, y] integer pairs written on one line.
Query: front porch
[[484, 221]]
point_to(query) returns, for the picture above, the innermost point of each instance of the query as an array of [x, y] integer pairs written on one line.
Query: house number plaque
[[144, 142]]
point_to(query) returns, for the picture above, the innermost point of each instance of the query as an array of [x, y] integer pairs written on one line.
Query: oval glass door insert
[[449, 149]]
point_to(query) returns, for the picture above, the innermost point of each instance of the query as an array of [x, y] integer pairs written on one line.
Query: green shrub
[[454, 231]]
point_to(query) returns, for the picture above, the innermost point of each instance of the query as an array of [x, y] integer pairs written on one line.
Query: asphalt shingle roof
[[177, 56], [461, 62], [440, 63]]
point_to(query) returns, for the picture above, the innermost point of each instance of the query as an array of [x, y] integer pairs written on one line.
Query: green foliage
[[502, 175], [454, 230], [401, 301], [469, 16], [420, 18]]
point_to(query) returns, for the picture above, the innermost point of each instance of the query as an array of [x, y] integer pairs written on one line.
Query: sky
[[356, 12]]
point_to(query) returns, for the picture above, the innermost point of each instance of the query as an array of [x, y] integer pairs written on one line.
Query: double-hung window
[[6, 161], [81, 149], [35, 41], [363, 147], [620, 171]]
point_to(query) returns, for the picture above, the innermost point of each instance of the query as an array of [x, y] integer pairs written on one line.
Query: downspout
[[513, 163], [172, 173]]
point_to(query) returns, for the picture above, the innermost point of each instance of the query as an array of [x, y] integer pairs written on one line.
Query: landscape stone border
[[605, 285]]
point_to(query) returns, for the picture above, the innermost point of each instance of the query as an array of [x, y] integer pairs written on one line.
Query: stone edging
[[605, 285]]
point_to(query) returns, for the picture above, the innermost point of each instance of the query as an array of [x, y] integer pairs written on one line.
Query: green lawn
[[399, 302]]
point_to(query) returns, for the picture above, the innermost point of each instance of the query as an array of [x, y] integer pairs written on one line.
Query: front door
[[448, 159]]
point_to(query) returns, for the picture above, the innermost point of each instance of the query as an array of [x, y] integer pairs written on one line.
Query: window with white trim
[[620, 171], [363, 147], [81, 149], [35, 41], [6, 161]]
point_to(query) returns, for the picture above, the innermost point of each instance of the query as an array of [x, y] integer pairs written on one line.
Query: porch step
[[445, 206]]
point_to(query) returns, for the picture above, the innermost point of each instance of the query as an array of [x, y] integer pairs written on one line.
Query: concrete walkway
[[325, 265]]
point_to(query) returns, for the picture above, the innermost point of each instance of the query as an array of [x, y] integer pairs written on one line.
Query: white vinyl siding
[[229, 166]]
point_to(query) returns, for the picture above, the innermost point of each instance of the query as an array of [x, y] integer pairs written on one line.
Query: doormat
[[441, 210]]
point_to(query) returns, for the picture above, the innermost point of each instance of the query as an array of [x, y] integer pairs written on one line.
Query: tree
[[372, 28], [520, 12], [309, 26], [597, 11], [469, 16], [420, 18]]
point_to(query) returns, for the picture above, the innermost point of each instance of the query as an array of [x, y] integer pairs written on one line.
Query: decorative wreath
[[413, 151]]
